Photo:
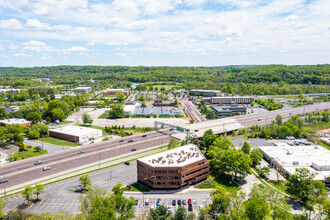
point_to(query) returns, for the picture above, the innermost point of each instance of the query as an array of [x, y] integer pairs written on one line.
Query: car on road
[[146, 202], [172, 129], [179, 202], [133, 149], [173, 202], [184, 202], [259, 119], [46, 168], [136, 202], [4, 180], [127, 163], [130, 141], [37, 162], [190, 208], [120, 141], [80, 152], [196, 130], [144, 135], [92, 142]]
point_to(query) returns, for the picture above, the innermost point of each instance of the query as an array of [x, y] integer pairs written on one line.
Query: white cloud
[[140, 24], [10, 24], [1, 47], [22, 55], [36, 24], [37, 46], [75, 49], [121, 54]]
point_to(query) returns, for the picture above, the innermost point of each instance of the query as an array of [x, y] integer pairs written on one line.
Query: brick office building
[[173, 169]]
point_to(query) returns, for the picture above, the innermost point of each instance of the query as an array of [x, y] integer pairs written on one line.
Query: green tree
[[35, 117], [208, 138], [278, 119], [15, 133], [41, 128], [160, 213], [2, 203], [257, 209], [3, 113], [174, 143], [39, 188], [116, 111], [256, 157], [120, 96], [57, 114], [34, 134], [87, 119], [124, 206], [235, 161], [264, 171], [181, 213], [27, 193], [12, 158], [38, 148], [246, 148], [84, 182], [220, 203], [143, 105], [300, 184]]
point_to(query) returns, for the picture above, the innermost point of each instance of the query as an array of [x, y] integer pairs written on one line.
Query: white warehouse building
[[76, 134]]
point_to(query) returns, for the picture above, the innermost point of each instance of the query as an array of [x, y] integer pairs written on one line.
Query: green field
[[136, 187], [105, 115], [30, 152], [278, 185], [65, 122], [220, 180], [58, 142]]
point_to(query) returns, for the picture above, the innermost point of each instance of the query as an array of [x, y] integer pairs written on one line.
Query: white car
[[169, 208], [46, 168]]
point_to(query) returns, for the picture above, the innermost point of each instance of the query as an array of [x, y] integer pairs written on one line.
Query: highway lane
[[193, 112], [83, 159], [20, 166]]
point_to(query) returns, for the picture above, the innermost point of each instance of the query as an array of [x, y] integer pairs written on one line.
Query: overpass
[[224, 125]]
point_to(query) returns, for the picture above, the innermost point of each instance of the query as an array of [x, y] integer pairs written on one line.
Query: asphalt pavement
[[49, 147]]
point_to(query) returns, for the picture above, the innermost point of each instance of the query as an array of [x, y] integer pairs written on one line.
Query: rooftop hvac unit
[[295, 163]]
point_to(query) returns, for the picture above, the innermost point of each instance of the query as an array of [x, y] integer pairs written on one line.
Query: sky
[[164, 32]]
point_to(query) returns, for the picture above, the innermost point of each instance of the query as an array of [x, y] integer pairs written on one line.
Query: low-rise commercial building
[[230, 100], [113, 92], [206, 93], [76, 134], [173, 169], [229, 110], [161, 103], [288, 158], [13, 121], [82, 90]]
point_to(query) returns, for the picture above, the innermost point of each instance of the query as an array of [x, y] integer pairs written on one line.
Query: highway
[[193, 112], [24, 171]]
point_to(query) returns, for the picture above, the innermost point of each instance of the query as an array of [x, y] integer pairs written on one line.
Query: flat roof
[[83, 87], [300, 156], [14, 121], [202, 90], [75, 130], [176, 157]]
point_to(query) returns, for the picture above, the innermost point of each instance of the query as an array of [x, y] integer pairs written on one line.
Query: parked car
[[173, 202], [4, 181], [136, 201], [144, 135], [169, 208], [184, 202], [133, 149], [38, 162], [46, 168], [158, 202], [146, 202], [80, 152], [120, 141], [189, 202], [127, 163], [190, 208], [179, 202], [130, 141], [172, 129]]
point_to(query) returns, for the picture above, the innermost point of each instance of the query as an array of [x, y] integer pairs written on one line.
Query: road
[[193, 112], [23, 171]]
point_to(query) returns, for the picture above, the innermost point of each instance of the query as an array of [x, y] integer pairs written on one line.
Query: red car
[[189, 202]]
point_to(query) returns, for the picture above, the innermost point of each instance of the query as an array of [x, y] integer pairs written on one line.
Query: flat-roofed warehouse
[[75, 133], [174, 168], [288, 158]]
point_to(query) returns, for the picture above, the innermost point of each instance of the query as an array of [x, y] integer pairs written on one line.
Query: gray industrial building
[[229, 110]]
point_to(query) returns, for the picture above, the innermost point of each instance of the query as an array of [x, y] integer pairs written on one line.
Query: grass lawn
[[58, 142], [65, 122], [95, 127], [220, 180], [136, 187], [105, 115], [313, 127], [30, 153], [278, 185]]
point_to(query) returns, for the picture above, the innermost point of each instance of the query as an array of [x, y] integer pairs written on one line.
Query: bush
[[106, 138]]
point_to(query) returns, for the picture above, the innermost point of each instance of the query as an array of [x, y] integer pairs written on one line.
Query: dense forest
[[245, 80]]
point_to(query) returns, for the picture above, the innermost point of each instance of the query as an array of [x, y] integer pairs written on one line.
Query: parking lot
[[58, 197]]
